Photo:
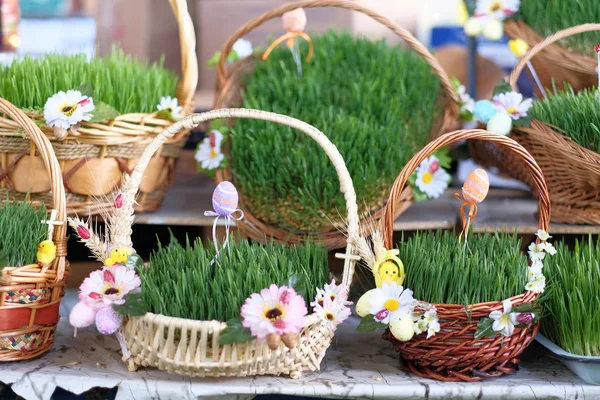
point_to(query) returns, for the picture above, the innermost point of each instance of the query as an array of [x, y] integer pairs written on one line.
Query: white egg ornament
[[364, 304], [402, 328], [225, 199]]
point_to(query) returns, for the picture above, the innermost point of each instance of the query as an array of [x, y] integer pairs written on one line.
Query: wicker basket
[[556, 62], [93, 162], [192, 347], [572, 171], [229, 92], [30, 295], [454, 354]]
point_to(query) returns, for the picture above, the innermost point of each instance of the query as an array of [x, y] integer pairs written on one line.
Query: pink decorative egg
[[476, 186], [225, 198], [108, 320]]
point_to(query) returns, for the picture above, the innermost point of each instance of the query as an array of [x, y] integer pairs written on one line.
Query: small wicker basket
[[572, 171], [229, 94], [555, 62], [30, 295], [454, 354], [93, 162], [192, 347]]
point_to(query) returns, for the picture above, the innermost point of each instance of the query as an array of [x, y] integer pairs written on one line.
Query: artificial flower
[[108, 286], [391, 301], [243, 48], [543, 235], [275, 310], [537, 251], [169, 108], [498, 9], [430, 316], [65, 109], [433, 328], [332, 312], [500, 123], [534, 269], [431, 178], [504, 321], [209, 151], [420, 326], [550, 249], [336, 293], [525, 318], [513, 104], [493, 29], [537, 284], [294, 21], [465, 101]]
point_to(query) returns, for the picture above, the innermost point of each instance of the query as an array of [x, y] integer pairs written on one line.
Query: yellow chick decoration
[[389, 268], [117, 256], [46, 252]]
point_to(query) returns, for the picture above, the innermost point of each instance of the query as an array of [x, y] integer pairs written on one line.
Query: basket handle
[[186, 87], [130, 188], [536, 174], [516, 72], [413, 43], [46, 152]]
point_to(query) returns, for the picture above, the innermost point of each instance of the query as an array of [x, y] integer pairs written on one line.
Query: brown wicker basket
[[229, 93], [454, 354], [30, 295], [556, 62], [93, 162], [572, 171]]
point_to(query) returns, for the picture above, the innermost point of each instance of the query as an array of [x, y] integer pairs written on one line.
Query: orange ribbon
[[291, 37], [467, 220]]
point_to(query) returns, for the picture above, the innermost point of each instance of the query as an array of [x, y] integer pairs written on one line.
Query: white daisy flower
[[537, 284], [500, 9], [504, 321], [513, 104], [431, 178], [65, 109], [543, 235], [391, 301], [243, 48], [336, 293], [332, 313], [209, 151], [537, 251], [170, 108]]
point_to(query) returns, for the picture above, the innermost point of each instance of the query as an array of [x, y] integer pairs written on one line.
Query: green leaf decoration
[[455, 82], [523, 121], [502, 87], [235, 332], [103, 112], [368, 324], [297, 282], [134, 306], [213, 61], [134, 261], [86, 89], [466, 116], [484, 328], [443, 156]]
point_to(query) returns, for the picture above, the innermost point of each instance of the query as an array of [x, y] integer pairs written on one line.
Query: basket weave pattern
[[192, 347], [30, 295], [229, 92], [93, 162], [454, 354]]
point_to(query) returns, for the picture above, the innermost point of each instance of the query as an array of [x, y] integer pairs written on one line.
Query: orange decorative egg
[[476, 186]]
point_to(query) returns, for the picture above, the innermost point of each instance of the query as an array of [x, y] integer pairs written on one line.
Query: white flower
[[534, 269], [169, 106], [543, 235], [537, 284], [466, 102], [65, 109], [433, 328], [431, 178], [504, 321], [430, 316], [332, 313], [549, 247], [391, 301], [537, 251], [513, 104], [243, 48], [500, 9], [209, 152], [336, 293], [420, 326]]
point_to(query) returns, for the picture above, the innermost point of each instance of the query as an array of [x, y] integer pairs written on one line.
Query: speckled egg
[[225, 198], [402, 328], [476, 186], [108, 320]]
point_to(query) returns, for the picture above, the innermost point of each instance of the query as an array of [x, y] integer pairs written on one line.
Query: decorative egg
[[402, 328], [225, 199], [484, 110], [500, 123], [82, 315], [364, 304], [108, 320], [476, 186]]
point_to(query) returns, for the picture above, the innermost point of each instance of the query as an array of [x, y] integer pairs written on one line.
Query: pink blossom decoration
[[108, 286]]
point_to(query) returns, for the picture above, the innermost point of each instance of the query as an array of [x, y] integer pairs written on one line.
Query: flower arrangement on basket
[[33, 267], [156, 310], [330, 87], [477, 308], [100, 114]]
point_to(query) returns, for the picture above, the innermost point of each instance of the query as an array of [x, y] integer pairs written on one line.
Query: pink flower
[[108, 286], [524, 318], [276, 310], [332, 313], [294, 21]]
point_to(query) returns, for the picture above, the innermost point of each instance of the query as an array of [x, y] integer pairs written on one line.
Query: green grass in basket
[[577, 114], [181, 282], [441, 270], [21, 231], [128, 85], [549, 16], [376, 103], [573, 320]]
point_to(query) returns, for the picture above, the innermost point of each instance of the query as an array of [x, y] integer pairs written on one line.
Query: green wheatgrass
[[128, 85], [376, 103], [181, 282], [21, 231], [441, 270], [576, 114], [572, 320]]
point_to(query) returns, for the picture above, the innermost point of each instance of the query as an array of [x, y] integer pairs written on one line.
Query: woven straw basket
[[556, 62], [192, 347], [454, 354], [229, 94], [30, 295], [93, 162], [572, 171]]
